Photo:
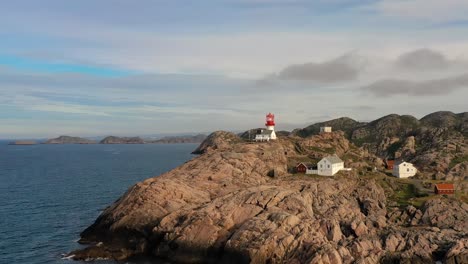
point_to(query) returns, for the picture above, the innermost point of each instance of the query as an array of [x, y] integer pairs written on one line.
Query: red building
[[444, 188], [301, 168], [389, 164]]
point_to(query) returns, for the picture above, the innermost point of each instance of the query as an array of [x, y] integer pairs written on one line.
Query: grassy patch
[[316, 149], [458, 160], [405, 192], [461, 196]]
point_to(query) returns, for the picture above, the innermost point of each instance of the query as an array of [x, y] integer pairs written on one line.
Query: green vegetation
[[368, 139], [394, 148], [406, 192], [458, 160], [461, 196]]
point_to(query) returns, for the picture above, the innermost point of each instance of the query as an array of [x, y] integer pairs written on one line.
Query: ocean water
[[50, 193]]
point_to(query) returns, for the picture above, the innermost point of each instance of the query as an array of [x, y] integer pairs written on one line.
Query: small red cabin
[[444, 188], [301, 168], [389, 164]]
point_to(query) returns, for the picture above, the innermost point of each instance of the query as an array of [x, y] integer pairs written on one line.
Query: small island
[[69, 140], [122, 140], [23, 142], [179, 139]]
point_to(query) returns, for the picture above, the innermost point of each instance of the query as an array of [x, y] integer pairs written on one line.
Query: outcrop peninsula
[[240, 202]]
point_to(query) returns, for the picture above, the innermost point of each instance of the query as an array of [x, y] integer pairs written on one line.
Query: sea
[[50, 193]]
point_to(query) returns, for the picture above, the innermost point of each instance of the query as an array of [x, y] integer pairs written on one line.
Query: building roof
[[333, 159], [444, 186], [401, 162], [265, 132]]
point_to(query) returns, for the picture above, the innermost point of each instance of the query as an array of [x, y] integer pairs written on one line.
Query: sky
[[122, 67]]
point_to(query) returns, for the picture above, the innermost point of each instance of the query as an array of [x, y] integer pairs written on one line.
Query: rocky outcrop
[[226, 206], [69, 140], [218, 140], [122, 140]]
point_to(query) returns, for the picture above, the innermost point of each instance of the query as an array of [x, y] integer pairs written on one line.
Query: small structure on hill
[[325, 129], [444, 188], [330, 165], [389, 164], [301, 168], [404, 170], [306, 168], [268, 133]]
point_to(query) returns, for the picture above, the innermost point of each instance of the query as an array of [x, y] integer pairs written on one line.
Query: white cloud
[[437, 11]]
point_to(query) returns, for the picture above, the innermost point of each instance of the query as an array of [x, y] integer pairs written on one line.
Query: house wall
[[437, 191], [404, 170], [262, 137], [325, 168], [301, 168]]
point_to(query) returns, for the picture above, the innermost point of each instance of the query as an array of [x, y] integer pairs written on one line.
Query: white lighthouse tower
[[270, 125]]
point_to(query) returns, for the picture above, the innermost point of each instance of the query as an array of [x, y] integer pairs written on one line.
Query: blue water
[[50, 193]]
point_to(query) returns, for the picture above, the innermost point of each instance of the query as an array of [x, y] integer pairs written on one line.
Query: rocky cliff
[[122, 140], [238, 203], [69, 140]]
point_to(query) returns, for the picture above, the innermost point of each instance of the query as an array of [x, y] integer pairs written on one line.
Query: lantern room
[[270, 120]]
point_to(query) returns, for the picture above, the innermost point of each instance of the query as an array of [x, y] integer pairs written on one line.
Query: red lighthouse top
[[270, 119]]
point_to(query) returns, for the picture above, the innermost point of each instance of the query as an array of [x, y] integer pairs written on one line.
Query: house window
[[407, 170], [328, 165]]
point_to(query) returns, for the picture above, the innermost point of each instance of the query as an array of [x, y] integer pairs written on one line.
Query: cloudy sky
[[91, 68]]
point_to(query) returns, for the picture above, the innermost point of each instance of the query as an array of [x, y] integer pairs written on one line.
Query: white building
[[330, 165], [265, 135], [325, 129], [404, 170]]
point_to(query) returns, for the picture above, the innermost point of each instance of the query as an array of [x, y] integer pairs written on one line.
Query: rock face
[[217, 140], [69, 140], [122, 140], [226, 206]]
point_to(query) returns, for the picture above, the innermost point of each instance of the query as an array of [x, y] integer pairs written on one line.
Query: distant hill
[[179, 139], [434, 143], [344, 124], [69, 140], [122, 140]]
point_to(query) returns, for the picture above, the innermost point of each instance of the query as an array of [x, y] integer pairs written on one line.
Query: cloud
[[443, 86], [423, 10], [344, 68], [422, 59]]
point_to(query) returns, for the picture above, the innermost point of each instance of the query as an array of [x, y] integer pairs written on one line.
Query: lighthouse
[[270, 124], [268, 133]]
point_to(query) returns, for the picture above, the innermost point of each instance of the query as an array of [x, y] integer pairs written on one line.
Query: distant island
[[122, 140], [179, 139], [118, 140], [69, 140], [23, 142]]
